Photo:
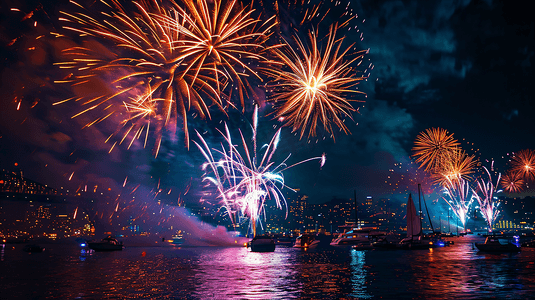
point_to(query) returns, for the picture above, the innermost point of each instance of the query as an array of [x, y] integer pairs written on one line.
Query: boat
[[306, 240], [414, 239], [177, 239], [384, 243], [106, 244], [495, 244], [33, 248], [262, 243], [284, 240], [363, 246], [355, 236]]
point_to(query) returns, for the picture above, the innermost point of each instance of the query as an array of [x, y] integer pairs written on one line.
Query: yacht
[[262, 243], [306, 240], [495, 244], [106, 244], [178, 239], [33, 248], [357, 236]]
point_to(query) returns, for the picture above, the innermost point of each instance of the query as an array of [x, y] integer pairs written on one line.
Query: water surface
[[459, 271]]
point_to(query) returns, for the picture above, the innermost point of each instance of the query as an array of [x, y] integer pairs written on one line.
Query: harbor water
[[63, 271]]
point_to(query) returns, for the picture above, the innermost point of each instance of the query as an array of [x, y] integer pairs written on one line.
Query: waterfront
[[459, 271]]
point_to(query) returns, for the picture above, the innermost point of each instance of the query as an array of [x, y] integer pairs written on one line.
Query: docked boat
[[178, 239], [363, 246], [384, 243], [357, 236], [495, 244], [33, 248], [106, 244], [306, 241], [414, 239], [284, 241], [262, 243]]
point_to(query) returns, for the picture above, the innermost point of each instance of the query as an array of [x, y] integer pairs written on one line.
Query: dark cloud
[[411, 42]]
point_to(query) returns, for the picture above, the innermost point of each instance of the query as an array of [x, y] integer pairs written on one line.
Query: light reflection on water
[[64, 272], [358, 275]]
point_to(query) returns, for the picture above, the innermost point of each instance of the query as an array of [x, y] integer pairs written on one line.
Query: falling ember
[[70, 177], [137, 186], [75, 212], [18, 105], [245, 182], [117, 207], [124, 183]]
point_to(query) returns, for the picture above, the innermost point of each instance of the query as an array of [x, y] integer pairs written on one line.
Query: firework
[[484, 194], [246, 180], [312, 87], [512, 182], [457, 194], [167, 61], [432, 147], [523, 162], [454, 165]]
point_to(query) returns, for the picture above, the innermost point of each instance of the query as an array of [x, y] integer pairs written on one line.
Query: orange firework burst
[[313, 85], [454, 165], [168, 61], [523, 162], [432, 147], [512, 182]]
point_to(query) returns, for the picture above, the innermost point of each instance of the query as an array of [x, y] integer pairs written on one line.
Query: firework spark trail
[[432, 146], [313, 86], [216, 38], [167, 61], [453, 166], [484, 194], [458, 195], [244, 180]]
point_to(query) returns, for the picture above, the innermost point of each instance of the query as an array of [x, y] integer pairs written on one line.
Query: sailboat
[[414, 239]]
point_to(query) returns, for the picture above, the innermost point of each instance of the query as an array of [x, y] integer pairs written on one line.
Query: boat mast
[[420, 204], [426, 210], [356, 209]]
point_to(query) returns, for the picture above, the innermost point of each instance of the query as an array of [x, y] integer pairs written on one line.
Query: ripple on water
[[458, 271]]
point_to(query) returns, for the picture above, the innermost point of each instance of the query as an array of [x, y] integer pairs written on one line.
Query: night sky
[[465, 66]]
